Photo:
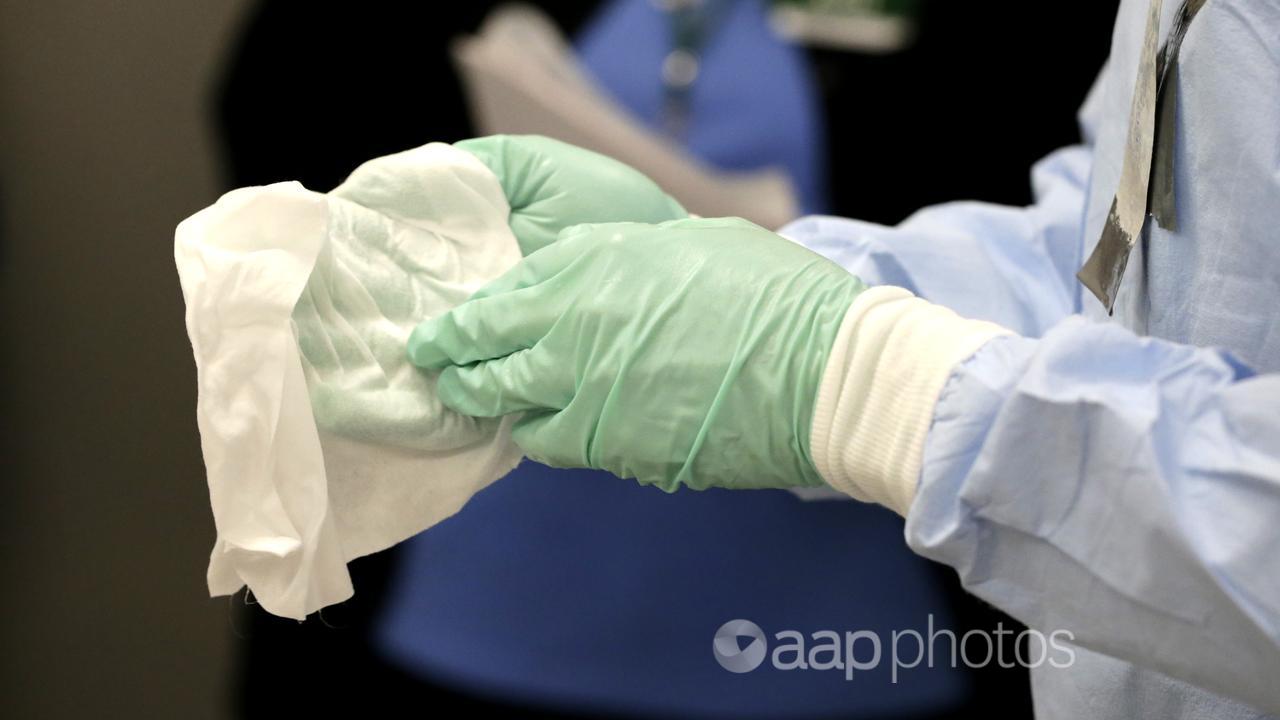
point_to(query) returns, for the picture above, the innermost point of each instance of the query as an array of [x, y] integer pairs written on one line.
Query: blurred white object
[[522, 77], [866, 31], [321, 441]]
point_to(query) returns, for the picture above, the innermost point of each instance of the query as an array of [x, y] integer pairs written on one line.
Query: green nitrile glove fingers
[[552, 185]]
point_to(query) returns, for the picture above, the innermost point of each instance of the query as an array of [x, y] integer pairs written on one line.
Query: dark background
[[115, 123]]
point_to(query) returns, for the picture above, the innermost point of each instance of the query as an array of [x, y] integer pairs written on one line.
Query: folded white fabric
[[321, 442]]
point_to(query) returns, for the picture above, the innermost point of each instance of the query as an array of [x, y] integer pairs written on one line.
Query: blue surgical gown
[[1119, 477]]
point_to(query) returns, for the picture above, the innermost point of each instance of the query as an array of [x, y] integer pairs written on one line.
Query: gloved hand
[[552, 185], [684, 353], [705, 353]]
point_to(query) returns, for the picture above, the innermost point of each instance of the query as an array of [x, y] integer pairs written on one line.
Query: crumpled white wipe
[[321, 442]]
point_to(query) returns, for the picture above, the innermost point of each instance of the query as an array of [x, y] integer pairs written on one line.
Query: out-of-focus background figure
[[121, 120]]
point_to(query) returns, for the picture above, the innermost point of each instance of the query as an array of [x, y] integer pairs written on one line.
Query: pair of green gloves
[[672, 350]]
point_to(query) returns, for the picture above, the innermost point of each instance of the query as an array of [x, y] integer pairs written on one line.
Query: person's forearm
[[1011, 265], [1120, 488]]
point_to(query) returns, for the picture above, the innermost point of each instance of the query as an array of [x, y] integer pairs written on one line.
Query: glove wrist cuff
[[891, 357]]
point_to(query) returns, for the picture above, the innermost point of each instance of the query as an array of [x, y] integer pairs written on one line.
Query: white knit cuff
[[891, 357]]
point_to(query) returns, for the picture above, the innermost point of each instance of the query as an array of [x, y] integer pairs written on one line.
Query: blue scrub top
[[572, 588], [754, 104]]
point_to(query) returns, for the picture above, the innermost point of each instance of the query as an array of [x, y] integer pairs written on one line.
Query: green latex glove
[[686, 353], [552, 185]]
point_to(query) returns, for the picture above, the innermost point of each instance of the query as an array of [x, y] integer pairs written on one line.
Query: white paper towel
[[321, 441]]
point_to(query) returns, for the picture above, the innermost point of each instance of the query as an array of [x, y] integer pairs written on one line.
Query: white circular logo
[[732, 653]]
